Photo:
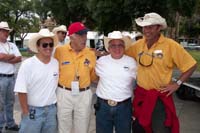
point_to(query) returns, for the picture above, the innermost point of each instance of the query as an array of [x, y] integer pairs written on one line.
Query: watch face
[[179, 82]]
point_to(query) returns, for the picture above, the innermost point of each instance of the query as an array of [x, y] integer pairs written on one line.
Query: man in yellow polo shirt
[[157, 56], [76, 67]]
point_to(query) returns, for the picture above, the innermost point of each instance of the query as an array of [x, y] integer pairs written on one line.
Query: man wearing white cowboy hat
[[36, 85], [76, 65], [116, 73], [60, 32], [9, 56], [157, 56]]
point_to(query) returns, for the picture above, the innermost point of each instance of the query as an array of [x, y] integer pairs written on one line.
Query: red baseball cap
[[78, 28]]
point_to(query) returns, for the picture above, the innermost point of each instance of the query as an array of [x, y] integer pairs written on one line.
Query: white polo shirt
[[38, 80], [116, 77], [8, 48]]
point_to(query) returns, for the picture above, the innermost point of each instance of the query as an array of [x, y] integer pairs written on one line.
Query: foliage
[[67, 11], [196, 55], [19, 14], [101, 15], [26, 53], [111, 14]]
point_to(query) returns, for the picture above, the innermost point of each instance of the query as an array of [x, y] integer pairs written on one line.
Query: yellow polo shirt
[[71, 64], [155, 65]]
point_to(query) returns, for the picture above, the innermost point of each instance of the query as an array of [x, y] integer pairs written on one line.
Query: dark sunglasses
[[63, 33], [143, 64], [45, 45]]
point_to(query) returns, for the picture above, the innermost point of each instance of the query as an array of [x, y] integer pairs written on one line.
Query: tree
[[67, 11], [16, 12], [111, 14]]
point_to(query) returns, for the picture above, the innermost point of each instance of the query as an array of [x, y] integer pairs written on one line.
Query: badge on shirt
[[158, 54], [86, 62], [65, 62]]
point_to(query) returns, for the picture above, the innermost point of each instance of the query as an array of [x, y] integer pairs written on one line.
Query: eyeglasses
[[147, 60], [45, 45], [114, 46], [63, 33]]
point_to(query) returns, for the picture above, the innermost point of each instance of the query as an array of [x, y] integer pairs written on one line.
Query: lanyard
[[76, 63]]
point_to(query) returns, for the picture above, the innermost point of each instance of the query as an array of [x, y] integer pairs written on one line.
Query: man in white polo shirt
[[36, 85], [60, 32], [9, 56], [116, 73]]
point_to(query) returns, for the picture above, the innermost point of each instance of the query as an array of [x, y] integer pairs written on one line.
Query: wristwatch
[[179, 82]]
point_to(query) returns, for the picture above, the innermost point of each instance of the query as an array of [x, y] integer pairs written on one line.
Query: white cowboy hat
[[62, 28], [116, 35], [4, 25], [151, 19], [43, 33]]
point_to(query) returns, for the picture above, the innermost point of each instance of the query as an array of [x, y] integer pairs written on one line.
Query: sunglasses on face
[[45, 45], [63, 33], [114, 46]]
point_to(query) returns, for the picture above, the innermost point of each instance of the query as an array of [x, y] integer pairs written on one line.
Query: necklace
[[6, 49]]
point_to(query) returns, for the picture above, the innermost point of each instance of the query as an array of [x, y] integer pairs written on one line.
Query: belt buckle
[[112, 103]]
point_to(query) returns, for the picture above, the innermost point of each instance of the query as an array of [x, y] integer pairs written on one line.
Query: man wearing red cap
[[76, 66]]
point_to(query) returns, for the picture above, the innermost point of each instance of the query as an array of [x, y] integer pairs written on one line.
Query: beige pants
[[74, 111]]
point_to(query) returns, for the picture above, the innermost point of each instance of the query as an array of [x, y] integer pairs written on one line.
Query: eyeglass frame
[[115, 46], [45, 45]]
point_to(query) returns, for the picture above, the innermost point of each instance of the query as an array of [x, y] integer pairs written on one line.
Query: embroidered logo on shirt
[[55, 74], [86, 62], [126, 68]]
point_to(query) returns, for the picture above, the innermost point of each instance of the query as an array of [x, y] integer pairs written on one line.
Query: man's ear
[[159, 28]]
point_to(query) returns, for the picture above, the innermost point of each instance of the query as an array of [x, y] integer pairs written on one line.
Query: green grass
[[196, 55], [26, 53]]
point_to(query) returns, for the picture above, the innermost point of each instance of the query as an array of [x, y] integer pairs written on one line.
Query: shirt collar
[[160, 41]]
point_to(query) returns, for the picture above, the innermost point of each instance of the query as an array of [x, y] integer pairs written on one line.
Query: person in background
[[116, 73], [157, 56], [76, 66], [60, 32], [9, 56], [138, 36], [36, 85]]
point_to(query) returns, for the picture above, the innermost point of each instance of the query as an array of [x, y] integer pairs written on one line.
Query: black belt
[[6, 75], [112, 102], [80, 89]]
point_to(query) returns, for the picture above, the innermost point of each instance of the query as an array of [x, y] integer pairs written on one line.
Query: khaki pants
[[73, 111]]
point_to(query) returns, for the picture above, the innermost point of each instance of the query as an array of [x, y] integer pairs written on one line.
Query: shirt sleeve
[[131, 51], [134, 69], [92, 73], [183, 60], [22, 79]]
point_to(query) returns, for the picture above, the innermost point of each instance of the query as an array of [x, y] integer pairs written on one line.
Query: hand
[[170, 88]]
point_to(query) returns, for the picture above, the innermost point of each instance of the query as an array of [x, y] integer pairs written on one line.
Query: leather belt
[[112, 102], [80, 89], [6, 75]]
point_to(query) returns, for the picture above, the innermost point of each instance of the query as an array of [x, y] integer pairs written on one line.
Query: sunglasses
[[45, 45], [115, 46], [148, 62], [63, 33]]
